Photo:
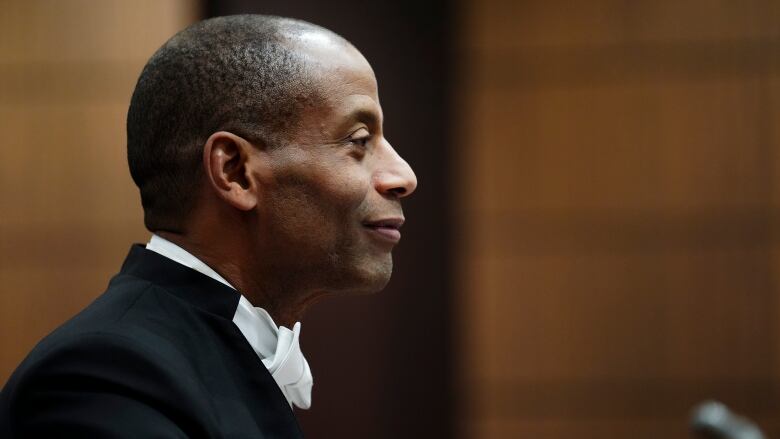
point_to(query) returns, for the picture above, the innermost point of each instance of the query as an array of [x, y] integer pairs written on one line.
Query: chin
[[371, 278]]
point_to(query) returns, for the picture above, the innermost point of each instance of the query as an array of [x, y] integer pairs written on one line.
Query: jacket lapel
[[252, 381]]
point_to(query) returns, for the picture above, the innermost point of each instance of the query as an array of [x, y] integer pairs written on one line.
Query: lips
[[386, 229]]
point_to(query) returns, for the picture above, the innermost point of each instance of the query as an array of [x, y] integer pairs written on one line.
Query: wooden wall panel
[[595, 136], [68, 208], [504, 23], [624, 316], [619, 227]]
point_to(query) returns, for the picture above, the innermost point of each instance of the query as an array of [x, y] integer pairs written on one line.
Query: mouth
[[386, 229]]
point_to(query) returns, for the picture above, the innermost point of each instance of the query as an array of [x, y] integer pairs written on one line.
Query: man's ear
[[225, 161]]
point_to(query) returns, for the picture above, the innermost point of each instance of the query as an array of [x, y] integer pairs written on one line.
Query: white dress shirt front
[[277, 346]]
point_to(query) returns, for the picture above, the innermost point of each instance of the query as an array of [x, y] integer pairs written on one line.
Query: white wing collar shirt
[[277, 346]]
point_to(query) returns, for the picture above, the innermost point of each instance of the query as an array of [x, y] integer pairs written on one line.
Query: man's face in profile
[[332, 209]]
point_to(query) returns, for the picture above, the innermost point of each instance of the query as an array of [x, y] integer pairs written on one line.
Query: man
[[257, 146]]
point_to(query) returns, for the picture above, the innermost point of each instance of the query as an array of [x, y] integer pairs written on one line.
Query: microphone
[[716, 420]]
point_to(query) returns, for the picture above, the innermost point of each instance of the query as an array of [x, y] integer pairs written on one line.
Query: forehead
[[340, 72]]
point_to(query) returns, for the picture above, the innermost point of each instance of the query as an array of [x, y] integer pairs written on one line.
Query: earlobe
[[225, 162]]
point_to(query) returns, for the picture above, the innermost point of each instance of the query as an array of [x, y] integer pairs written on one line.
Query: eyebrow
[[369, 117]]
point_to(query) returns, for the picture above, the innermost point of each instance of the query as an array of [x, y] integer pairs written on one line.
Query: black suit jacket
[[155, 356]]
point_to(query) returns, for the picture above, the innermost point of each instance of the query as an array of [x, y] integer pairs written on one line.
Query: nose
[[393, 176]]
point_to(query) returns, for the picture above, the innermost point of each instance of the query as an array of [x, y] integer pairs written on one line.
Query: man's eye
[[360, 138], [360, 141]]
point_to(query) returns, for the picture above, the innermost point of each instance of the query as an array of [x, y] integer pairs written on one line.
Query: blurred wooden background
[[68, 208], [616, 199], [619, 185]]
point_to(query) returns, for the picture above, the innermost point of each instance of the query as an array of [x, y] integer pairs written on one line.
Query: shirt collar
[[172, 251]]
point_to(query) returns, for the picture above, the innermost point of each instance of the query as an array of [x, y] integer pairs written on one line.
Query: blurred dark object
[[712, 419]]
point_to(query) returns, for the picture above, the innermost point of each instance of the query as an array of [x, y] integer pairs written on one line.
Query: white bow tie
[[290, 369], [284, 360]]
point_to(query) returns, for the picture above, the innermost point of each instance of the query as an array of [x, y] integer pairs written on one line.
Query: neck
[[285, 303]]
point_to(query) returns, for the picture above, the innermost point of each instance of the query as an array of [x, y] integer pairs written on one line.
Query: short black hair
[[239, 73]]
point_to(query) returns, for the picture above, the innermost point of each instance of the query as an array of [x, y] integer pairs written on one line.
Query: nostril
[[398, 191]]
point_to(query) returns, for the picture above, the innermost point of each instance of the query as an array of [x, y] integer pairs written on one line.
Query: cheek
[[319, 207], [346, 195]]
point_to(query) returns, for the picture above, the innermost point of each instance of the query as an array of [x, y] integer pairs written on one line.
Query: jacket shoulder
[[105, 383]]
